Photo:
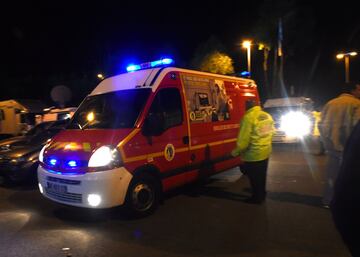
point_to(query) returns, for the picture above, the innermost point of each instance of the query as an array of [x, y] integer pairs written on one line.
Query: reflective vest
[[255, 135]]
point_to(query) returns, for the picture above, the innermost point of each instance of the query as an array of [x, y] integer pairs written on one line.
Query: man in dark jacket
[[345, 206]]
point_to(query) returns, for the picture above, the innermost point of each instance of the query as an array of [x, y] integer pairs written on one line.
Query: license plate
[[56, 187]]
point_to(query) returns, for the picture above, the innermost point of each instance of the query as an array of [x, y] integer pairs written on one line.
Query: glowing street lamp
[[100, 76], [247, 45], [346, 57], [266, 49]]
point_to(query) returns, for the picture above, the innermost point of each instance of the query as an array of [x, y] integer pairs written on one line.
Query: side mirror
[[153, 125]]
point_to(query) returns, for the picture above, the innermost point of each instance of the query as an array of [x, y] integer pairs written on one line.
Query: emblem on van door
[[169, 152]]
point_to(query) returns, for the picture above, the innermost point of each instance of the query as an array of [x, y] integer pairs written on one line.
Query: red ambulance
[[142, 133]]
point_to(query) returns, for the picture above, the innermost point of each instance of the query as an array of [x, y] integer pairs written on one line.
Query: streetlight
[[266, 48], [346, 57], [247, 44], [100, 76]]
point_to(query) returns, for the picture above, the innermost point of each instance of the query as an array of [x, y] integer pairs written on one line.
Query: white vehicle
[[292, 116], [17, 116], [54, 114]]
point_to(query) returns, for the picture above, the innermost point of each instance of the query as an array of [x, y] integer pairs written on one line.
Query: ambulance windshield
[[119, 109]]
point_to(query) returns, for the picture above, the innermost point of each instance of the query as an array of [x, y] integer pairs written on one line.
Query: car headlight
[[18, 160], [295, 124], [105, 157]]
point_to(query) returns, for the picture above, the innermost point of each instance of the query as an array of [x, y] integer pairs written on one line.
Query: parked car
[[19, 155], [12, 142]]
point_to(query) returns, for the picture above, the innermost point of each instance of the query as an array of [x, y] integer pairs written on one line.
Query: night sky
[[61, 43]]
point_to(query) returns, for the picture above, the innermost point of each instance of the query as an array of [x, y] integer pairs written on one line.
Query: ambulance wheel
[[143, 196]]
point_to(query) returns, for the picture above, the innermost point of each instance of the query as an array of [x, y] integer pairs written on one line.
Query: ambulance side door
[[165, 126]]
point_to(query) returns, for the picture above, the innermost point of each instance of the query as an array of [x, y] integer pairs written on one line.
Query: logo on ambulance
[[169, 152]]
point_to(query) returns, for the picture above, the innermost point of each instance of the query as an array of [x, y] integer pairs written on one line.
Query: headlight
[[18, 160], [41, 154], [94, 200], [105, 156], [295, 124]]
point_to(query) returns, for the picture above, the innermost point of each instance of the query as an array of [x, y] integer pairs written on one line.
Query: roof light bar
[[146, 65], [133, 67]]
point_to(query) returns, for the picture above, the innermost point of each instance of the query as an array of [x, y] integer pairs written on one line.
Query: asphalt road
[[203, 220]]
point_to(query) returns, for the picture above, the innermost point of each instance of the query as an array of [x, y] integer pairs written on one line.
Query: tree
[[210, 56], [217, 62]]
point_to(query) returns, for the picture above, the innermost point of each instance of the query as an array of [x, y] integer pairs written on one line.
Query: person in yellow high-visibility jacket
[[254, 147]]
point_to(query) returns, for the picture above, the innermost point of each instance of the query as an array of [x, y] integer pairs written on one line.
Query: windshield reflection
[[119, 109]]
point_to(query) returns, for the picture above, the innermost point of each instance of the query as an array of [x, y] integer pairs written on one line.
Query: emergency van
[[142, 133]]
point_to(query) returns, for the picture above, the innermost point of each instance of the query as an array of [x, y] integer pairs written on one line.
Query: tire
[[143, 196]]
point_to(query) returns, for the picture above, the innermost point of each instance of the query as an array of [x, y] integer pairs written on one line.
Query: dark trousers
[[256, 172]]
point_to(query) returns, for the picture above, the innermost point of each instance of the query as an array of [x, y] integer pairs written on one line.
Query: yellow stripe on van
[[225, 127], [125, 140], [184, 149], [130, 136]]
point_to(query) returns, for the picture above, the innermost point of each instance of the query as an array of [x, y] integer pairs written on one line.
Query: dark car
[[12, 142], [19, 155]]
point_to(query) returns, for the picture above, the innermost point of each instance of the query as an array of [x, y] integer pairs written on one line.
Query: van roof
[[150, 78]]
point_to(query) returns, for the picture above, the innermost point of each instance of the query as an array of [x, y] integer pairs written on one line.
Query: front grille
[[63, 181], [279, 133], [64, 196]]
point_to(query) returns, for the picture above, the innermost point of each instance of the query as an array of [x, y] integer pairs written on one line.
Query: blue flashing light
[[72, 163], [155, 63], [245, 74], [53, 162], [133, 67], [145, 65], [167, 61]]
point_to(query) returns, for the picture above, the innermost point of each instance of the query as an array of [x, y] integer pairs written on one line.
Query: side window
[[167, 103]]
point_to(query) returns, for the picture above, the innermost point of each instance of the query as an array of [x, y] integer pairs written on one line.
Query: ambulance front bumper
[[102, 189]]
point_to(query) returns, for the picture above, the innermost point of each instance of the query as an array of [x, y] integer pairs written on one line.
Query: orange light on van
[[72, 146], [90, 117]]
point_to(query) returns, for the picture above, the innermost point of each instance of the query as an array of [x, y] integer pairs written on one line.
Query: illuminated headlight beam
[[94, 200], [295, 124]]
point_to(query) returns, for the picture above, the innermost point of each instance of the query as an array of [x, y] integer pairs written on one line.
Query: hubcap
[[142, 197]]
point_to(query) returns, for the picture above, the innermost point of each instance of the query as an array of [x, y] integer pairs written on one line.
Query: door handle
[[185, 140]]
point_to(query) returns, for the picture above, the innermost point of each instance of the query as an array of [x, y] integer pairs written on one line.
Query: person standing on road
[[338, 119], [345, 205], [254, 146]]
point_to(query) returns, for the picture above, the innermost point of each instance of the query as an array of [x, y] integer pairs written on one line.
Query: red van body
[[142, 133]]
